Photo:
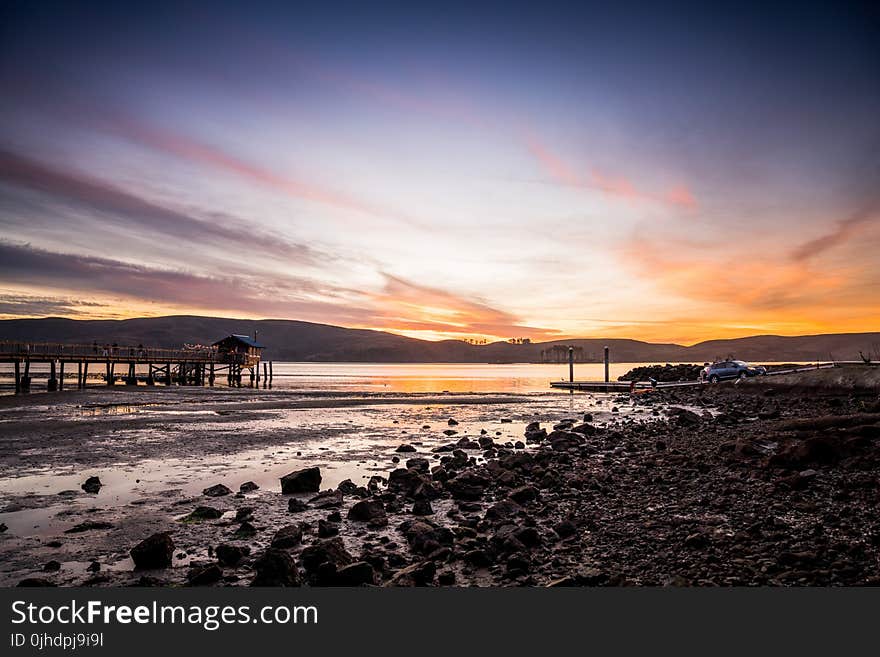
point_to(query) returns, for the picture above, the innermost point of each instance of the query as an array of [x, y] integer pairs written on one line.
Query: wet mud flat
[[724, 485]]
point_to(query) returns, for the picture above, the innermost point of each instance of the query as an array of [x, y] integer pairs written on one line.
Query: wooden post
[[257, 368], [26, 379], [606, 365], [109, 373], [61, 375], [211, 374], [52, 384], [265, 374], [571, 364], [17, 376], [85, 372], [167, 374], [271, 376], [79, 375]]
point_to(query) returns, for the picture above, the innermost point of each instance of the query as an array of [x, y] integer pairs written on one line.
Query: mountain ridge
[[295, 340]]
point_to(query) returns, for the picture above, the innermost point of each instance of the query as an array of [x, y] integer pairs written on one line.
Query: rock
[[295, 505], [52, 566], [247, 487], [327, 529], [586, 429], [565, 529], [519, 445], [3, 527], [217, 490], [452, 422], [450, 432], [503, 510], [478, 558], [34, 582], [327, 499], [331, 551], [287, 537], [307, 480], [92, 485], [369, 510], [231, 555], [244, 513], [204, 513], [486, 442], [204, 575], [275, 568], [564, 440], [245, 530], [359, 573], [684, 417], [88, 525], [418, 464], [422, 508], [94, 567], [418, 574], [524, 494], [153, 552], [347, 487], [467, 486], [424, 536], [696, 540], [405, 448]]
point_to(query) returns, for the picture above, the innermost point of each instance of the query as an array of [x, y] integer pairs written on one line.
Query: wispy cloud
[[615, 186], [151, 219], [195, 151], [842, 231]]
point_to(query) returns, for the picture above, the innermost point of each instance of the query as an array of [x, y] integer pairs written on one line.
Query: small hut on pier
[[246, 348]]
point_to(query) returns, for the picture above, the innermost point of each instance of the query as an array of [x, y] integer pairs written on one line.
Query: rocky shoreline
[[765, 486]]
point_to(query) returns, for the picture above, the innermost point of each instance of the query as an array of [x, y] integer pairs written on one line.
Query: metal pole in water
[[571, 364], [606, 365]]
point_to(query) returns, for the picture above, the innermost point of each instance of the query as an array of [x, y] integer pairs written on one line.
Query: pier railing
[[49, 351]]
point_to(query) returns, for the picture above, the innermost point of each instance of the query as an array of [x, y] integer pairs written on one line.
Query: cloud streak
[[194, 151], [152, 220], [620, 187]]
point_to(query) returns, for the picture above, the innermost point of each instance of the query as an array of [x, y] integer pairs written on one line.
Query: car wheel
[[743, 375], [713, 378]]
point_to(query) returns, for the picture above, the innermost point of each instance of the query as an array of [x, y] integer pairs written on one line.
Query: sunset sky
[[546, 170]]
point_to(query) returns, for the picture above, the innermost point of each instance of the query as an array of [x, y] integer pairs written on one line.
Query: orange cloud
[[415, 309]]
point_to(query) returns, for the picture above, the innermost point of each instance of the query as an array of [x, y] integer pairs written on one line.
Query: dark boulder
[[153, 552], [217, 490], [295, 505], [287, 537], [307, 480], [204, 575], [231, 555], [92, 485], [359, 573], [248, 487], [275, 568], [405, 448], [331, 551], [524, 494], [204, 513], [369, 510]]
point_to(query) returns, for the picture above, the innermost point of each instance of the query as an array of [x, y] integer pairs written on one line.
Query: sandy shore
[[725, 485]]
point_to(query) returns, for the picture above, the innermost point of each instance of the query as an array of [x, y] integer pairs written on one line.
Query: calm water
[[399, 377]]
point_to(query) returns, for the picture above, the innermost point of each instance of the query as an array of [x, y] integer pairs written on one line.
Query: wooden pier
[[235, 357]]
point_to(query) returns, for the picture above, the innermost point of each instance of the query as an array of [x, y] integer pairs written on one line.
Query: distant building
[[241, 348]]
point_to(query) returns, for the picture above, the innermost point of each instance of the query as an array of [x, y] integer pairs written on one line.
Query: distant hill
[[289, 340]]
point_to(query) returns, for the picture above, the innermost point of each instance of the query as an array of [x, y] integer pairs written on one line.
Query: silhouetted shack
[[241, 349]]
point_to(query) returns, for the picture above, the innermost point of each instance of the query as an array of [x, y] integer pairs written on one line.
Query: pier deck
[[192, 366]]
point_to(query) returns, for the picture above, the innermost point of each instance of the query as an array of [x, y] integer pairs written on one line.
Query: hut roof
[[244, 339]]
